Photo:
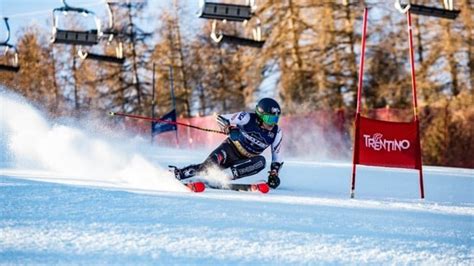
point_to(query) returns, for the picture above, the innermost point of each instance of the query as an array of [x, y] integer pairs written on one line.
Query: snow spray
[[31, 141]]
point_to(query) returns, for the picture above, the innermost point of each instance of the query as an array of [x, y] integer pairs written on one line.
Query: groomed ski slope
[[71, 195]]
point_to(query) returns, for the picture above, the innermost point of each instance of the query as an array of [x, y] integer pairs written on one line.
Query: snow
[[72, 195]]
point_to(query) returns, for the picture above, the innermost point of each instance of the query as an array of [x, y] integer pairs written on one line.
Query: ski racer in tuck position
[[249, 135]]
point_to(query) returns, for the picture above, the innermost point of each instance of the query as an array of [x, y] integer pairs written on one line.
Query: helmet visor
[[269, 119]]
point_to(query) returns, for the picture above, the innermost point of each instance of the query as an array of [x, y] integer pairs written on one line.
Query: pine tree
[[36, 79], [127, 87]]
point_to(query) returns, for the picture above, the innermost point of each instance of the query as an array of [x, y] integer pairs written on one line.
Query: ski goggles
[[268, 119]]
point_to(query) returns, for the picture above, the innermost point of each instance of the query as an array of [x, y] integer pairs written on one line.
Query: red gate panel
[[384, 143]]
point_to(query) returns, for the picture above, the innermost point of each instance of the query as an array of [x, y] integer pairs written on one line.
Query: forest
[[309, 62]]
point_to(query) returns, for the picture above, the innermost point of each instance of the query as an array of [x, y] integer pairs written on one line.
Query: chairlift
[[112, 36], [10, 53], [232, 12], [75, 37], [117, 59], [228, 12], [242, 41], [448, 12], [256, 42]]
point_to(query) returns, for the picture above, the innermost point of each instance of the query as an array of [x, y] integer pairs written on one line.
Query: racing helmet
[[268, 111]]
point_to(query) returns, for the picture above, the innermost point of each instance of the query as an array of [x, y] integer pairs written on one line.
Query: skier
[[249, 135]]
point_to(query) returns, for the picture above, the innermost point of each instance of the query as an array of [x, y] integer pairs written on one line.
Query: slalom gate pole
[[359, 92], [165, 121], [415, 105]]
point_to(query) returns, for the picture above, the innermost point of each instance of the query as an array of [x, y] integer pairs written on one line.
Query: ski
[[255, 187], [199, 186], [195, 186]]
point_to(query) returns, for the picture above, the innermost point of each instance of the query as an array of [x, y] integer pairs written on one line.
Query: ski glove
[[273, 179], [275, 167], [224, 124], [227, 128]]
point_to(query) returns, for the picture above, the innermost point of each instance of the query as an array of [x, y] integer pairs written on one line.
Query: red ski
[[255, 187], [195, 186], [198, 186]]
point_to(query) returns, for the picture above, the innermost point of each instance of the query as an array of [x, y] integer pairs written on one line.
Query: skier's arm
[[276, 145], [277, 162], [228, 121]]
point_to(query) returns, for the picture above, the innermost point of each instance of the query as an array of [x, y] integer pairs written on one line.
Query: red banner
[[390, 144]]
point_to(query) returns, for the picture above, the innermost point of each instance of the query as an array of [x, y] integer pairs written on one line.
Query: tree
[[128, 87], [36, 78], [170, 52], [217, 70]]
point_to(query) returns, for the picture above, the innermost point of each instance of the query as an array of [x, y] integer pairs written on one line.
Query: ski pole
[[165, 121]]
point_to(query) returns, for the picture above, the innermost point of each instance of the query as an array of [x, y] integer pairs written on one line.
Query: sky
[[22, 13]]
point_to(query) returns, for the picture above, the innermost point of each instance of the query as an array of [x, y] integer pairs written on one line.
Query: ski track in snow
[[205, 245], [227, 227]]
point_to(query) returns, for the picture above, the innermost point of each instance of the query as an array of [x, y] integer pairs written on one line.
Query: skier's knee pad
[[248, 167]]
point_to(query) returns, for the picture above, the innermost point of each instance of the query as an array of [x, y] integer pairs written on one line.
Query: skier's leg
[[226, 156], [222, 157], [248, 167], [183, 173]]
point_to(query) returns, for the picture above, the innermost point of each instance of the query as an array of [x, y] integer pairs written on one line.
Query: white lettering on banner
[[377, 142]]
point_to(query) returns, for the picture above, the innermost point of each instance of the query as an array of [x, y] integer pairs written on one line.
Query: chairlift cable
[[44, 11]]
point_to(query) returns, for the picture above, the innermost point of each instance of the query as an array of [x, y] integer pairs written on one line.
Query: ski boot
[[183, 173], [178, 174]]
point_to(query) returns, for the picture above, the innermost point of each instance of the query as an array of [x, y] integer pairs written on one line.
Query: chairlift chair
[[228, 12], [231, 12], [117, 59], [10, 53], [112, 36], [448, 12], [242, 41], [12, 57], [256, 42], [75, 37]]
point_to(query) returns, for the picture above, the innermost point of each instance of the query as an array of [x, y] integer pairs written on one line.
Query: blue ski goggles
[[269, 119]]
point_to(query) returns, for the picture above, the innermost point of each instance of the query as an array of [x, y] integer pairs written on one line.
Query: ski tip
[[199, 187], [263, 187], [196, 186], [111, 113]]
